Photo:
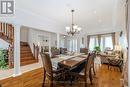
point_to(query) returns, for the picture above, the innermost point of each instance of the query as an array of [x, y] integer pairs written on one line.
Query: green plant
[[3, 64], [97, 49]]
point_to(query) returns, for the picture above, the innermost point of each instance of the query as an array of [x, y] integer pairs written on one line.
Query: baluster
[[12, 34], [10, 56], [10, 31], [0, 27], [37, 52], [7, 31], [34, 50], [4, 28]]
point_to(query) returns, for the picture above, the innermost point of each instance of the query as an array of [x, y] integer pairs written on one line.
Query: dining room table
[[71, 63]]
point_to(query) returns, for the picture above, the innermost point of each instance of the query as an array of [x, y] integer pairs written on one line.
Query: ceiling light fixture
[[74, 29]]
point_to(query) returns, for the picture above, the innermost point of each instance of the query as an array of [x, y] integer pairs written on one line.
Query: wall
[[24, 34], [38, 37], [53, 39], [63, 41]]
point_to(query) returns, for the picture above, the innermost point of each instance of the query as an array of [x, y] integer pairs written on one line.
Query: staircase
[[26, 56], [7, 32]]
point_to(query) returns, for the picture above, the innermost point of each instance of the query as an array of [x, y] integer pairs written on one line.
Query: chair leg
[[120, 69], [44, 78], [90, 76], [85, 82], [108, 66], [43, 81], [51, 85], [94, 70]]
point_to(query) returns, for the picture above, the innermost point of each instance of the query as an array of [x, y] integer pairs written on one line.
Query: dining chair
[[49, 72], [92, 66], [86, 73], [84, 50]]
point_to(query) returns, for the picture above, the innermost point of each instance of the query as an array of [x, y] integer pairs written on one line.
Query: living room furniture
[[49, 72], [84, 50], [115, 63], [104, 57], [63, 51], [54, 52]]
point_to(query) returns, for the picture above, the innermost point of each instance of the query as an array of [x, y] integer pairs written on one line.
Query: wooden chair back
[[88, 64], [84, 50], [47, 64]]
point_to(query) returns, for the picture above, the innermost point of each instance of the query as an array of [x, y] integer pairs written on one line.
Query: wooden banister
[[35, 51], [7, 34]]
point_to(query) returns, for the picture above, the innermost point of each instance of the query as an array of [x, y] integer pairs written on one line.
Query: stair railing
[[7, 34], [7, 30], [35, 51]]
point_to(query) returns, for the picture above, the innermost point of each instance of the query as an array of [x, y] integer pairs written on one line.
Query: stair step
[[26, 52], [24, 48], [27, 59], [26, 55], [28, 62], [23, 43]]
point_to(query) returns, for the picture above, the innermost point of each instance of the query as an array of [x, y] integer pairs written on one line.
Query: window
[[72, 45], [93, 42], [75, 45], [106, 42]]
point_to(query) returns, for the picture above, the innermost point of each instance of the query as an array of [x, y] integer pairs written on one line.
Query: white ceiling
[[89, 14]]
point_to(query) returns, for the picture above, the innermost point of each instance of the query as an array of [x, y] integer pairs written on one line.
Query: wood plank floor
[[103, 78]]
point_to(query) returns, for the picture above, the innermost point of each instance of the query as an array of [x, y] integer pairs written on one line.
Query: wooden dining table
[[69, 61], [73, 62]]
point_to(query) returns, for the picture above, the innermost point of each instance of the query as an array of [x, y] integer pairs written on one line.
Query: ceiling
[[89, 14]]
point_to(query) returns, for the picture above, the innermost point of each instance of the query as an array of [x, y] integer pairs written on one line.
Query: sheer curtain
[[106, 42], [93, 42], [102, 40]]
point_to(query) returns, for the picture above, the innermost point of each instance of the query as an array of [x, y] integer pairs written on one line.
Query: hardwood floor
[[103, 78]]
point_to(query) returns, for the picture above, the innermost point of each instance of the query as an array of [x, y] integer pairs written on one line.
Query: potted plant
[[3, 64], [97, 49]]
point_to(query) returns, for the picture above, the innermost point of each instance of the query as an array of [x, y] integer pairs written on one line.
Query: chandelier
[[73, 29]]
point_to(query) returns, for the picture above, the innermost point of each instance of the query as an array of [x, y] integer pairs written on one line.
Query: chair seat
[[82, 72]]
